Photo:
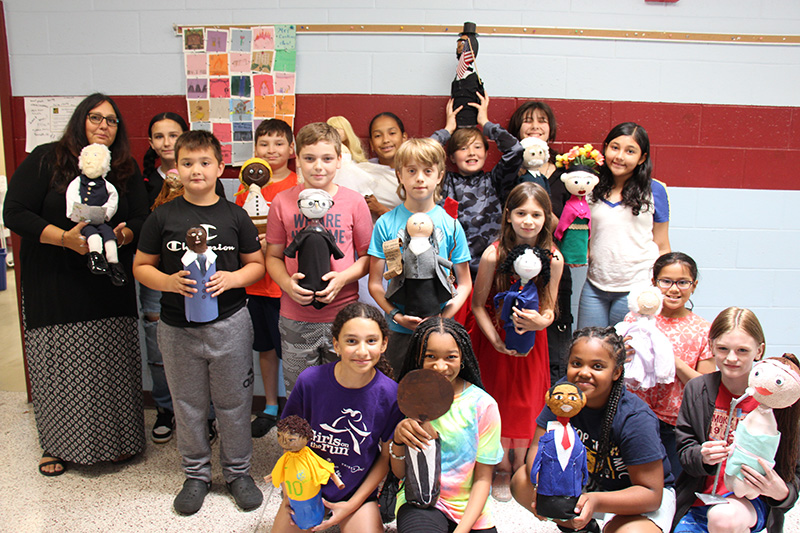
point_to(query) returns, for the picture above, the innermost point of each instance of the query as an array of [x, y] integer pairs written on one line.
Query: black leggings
[[412, 519]]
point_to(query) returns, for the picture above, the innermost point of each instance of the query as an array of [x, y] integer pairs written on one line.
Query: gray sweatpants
[[215, 360]]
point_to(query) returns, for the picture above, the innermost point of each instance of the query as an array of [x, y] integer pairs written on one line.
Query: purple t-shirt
[[348, 424]]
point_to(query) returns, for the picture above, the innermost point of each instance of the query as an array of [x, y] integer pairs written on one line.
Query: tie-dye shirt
[[470, 433]]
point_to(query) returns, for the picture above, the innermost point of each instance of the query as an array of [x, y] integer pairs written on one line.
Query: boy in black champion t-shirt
[[205, 359]]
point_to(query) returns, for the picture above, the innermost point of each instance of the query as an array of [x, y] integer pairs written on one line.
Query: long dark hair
[[150, 156], [637, 191], [788, 420], [515, 122], [616, 348], [446, 326], [508, 239], [362, 310], [74, 140]]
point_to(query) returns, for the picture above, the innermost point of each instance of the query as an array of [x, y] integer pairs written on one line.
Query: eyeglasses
[[310, 203], [666, 284], [97, 118]]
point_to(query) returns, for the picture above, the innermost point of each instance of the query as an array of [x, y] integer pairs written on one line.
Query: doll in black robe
[[314, 245]]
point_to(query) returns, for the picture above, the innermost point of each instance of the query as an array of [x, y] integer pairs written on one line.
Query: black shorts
[[264, 313]]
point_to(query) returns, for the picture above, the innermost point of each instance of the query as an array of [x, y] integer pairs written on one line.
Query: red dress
[[518, 384]]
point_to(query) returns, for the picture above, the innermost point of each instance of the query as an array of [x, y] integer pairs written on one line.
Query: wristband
[[391, 451], [393, 313]]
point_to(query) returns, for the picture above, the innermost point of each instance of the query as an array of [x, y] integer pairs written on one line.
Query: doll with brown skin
[[775, 383], [560, 470], [255, 174], [301, 472], [467, 84]]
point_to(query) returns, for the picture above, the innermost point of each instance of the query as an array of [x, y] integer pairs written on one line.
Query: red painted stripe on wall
[[693, 145]]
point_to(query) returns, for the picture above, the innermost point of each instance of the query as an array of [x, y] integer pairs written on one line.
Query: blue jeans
[[151, 304], [601, 308]]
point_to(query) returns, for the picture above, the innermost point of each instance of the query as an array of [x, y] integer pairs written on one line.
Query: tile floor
[[136, 497]]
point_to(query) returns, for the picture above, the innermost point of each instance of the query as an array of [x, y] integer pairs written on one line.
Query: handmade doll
[[775, 383], [535, 155], [92, 199], [526, 262], [559, 470], [170, 189], [254, 175], [424, 395], [654, 360], [314, 245], [467, 83], [575, 222], [200, 261], [424, 284], [302, 472]]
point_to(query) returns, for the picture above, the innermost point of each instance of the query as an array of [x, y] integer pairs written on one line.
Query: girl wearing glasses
[[675, 273], [81, 335]]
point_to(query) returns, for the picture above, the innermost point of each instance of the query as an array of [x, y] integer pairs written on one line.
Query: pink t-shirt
[[689, 339], [350, 223]]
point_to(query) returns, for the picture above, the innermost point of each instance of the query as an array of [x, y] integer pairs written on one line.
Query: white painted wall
[[73, 47]]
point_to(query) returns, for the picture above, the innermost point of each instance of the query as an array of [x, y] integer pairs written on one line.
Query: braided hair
[[616, 349], [445, 326], [362, 310]]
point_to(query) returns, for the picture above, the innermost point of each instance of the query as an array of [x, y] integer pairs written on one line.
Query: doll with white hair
[[92, 199], [653, 361], [536, 153]]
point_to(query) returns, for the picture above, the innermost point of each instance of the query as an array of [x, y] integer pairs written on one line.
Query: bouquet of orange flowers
[[585, 155]]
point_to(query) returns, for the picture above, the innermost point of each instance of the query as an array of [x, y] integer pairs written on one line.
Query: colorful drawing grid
[[238, 77]]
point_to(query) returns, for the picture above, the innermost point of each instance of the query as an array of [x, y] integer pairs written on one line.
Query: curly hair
[[616, 349], [445, 326], [150, 156], [65, 164], [295, 425], [637, 192], [507, 266], [362, 310]]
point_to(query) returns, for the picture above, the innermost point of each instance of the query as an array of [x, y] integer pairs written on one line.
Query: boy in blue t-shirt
[[207, 355]]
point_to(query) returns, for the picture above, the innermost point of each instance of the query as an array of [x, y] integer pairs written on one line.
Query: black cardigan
[[57, 286], [694, 421]]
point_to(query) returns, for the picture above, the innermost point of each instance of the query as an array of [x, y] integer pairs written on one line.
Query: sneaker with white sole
[[164, 426]]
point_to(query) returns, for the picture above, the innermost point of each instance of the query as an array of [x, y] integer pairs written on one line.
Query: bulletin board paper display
[[46, 118], [236, 78]]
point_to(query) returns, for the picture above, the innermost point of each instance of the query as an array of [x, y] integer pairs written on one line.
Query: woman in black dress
[[81, 336]]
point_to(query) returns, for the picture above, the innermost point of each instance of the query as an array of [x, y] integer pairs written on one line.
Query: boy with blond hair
[[305, 334], [420, 167]]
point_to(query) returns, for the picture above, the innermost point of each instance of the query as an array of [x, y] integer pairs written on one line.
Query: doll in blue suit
[[200, 261], [559, 470]]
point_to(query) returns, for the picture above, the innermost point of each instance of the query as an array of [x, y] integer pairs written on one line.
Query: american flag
[[465, 63]]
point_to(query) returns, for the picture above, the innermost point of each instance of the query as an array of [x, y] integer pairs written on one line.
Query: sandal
[[53, 461]]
